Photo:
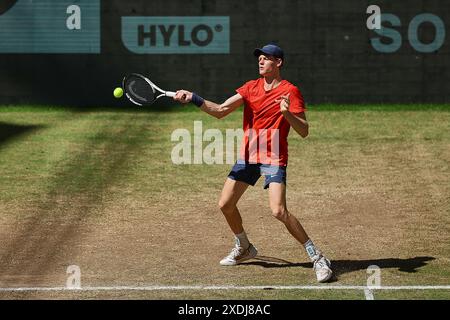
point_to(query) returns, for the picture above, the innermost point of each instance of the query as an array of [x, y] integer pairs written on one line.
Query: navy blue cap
[[271, 50]]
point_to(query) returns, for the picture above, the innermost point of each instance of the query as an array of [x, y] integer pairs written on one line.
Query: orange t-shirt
[[265, 128]]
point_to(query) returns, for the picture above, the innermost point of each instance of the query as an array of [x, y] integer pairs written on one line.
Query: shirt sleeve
[[297, 102], [244, 90]]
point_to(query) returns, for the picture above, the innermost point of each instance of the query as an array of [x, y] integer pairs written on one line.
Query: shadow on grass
[[74, 195], [10, 131], [409, 265], [118, 107]]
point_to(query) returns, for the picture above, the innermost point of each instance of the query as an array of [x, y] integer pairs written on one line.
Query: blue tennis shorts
[[250, 173]]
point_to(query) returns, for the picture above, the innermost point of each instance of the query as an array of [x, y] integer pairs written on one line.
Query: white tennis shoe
[[322, 267], [238, 255]]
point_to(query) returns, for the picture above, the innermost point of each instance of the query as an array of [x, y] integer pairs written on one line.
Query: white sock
[[242, 240], [311, 250]]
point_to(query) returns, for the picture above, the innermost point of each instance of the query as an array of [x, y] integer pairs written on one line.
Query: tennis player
[[272, 106]]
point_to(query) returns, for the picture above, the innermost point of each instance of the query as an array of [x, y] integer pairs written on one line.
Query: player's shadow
[[9, 131], [409, 265]]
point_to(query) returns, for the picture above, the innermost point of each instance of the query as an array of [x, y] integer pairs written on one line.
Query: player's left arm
[[298, 122], [291, 106]]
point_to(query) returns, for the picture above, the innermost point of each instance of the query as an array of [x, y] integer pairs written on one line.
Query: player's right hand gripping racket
[[141, 91]]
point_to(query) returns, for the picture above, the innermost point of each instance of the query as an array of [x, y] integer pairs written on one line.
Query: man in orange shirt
[[272, 106]]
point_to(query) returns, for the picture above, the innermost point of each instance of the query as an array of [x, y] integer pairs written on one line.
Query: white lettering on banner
[[416, 23], [73, 22], [374, 21], [176, 35]]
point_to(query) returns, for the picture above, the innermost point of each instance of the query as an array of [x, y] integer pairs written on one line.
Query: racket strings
[[140, 90]]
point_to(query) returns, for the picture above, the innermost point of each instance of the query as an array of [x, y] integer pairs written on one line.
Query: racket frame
[[153, 87]]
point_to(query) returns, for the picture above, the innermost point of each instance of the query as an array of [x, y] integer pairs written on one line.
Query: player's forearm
[[214, 109], [221, 110], [300, 125]]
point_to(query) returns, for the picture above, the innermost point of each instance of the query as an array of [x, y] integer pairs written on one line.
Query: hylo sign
[[172, 35]]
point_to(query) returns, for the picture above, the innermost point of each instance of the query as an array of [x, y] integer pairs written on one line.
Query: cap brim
[[257, 52]]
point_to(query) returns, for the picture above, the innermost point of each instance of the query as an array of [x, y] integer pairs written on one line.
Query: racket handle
[[170, 94]]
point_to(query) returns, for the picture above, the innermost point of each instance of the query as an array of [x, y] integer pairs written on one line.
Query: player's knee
[[280, 213], [226, 206]]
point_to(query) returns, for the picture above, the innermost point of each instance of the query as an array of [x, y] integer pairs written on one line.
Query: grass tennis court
[[97, 189]]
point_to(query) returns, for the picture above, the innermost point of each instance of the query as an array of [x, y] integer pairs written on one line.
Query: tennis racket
[[141, 91]]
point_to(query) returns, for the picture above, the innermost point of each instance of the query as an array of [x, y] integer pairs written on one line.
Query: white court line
[[175, 288]]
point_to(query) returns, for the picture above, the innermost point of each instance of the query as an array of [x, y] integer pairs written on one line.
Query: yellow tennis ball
[[118, 93]]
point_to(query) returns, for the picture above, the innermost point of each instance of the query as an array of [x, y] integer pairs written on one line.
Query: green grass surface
[[371, 183]]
